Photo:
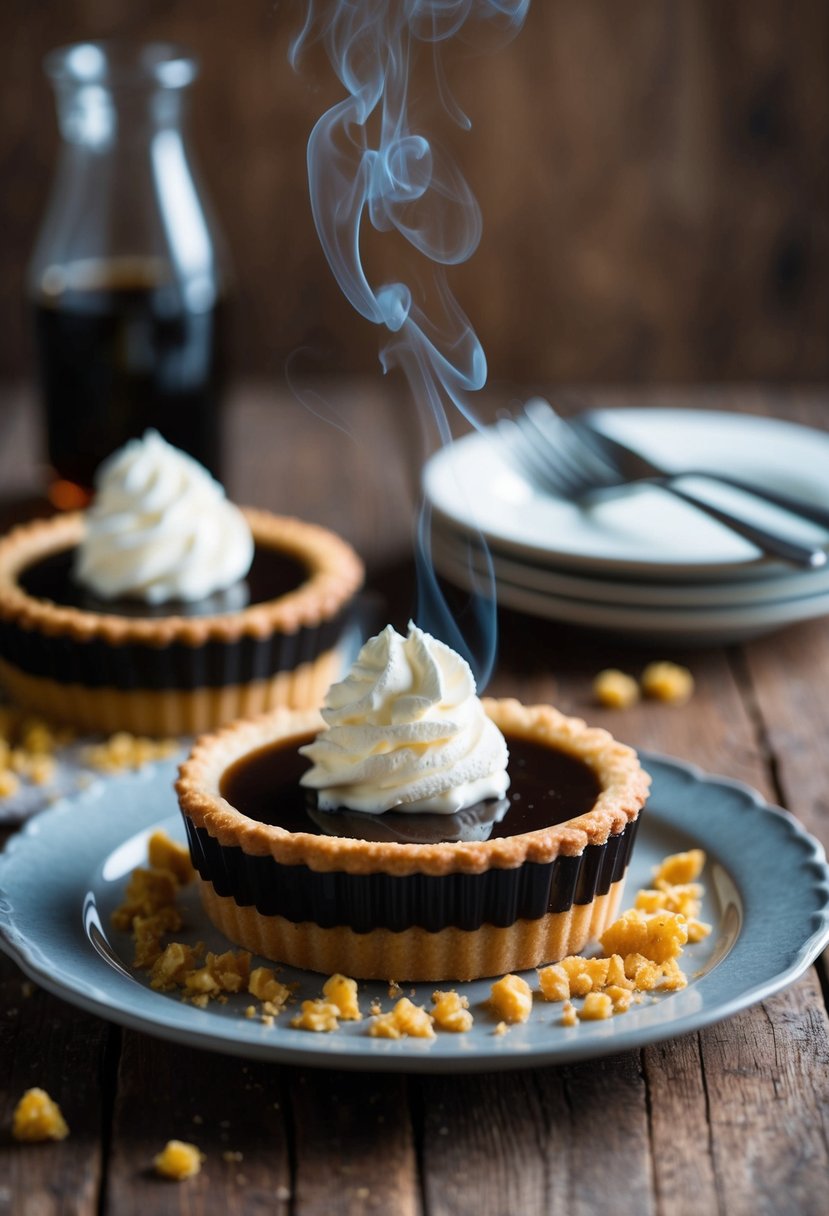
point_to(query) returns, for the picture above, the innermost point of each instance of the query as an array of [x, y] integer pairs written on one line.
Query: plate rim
[[410, 1057], [572, 559], [696, 628], [461, 549]]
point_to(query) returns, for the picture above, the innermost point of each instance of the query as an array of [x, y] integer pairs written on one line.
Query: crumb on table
[[668, 682], [615, 689], [38, 1117], [178, 1161]]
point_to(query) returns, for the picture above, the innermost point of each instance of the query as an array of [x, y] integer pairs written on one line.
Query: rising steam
[[401, 183]]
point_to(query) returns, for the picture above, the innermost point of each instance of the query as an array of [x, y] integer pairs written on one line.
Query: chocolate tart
[[499, 887], [274, 639]]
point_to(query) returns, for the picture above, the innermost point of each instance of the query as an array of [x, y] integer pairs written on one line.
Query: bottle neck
[[101, 119]]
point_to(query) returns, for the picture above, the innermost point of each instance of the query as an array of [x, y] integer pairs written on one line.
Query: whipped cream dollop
[[406, 732], [160, 528]]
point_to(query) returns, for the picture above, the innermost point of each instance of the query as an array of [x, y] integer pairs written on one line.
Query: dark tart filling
[[271, 575], [548, 787]]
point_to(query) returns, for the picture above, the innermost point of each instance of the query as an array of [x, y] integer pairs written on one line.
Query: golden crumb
[[26, 750], [37, 737], [123, 751], [698, 930], [9, 783], [554, 983], [164, 853], [228, 972], [501, 1029], [642, 947], [318, 1015], [644, 972], [616, 977], [405, 1019], [569, 1017], [615, 689], [585, 974], [149, 905], [511, 998], [597, 1006], [621, 997], [657, 937], [175, 961], [19, 761], [668, 682], [147, 891], [42, 770], [342, 992], [264, 985], [147, 932], [680, 868], [395, 990], [685, 898], [451, 1012], [673, 978], [178, 1161], [38, 1117]]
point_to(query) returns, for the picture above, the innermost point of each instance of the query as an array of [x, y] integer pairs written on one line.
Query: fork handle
[[769, 542], [806, 510]]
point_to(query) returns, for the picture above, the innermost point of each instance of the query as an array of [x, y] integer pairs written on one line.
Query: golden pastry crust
[[335, 574], [414, 954], [174, 711], [623, 790]]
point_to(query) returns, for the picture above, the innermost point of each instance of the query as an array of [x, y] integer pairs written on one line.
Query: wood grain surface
[[652, 176], [731, 1120]]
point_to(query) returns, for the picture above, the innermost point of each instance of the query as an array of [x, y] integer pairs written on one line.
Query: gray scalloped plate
[[767, 895]]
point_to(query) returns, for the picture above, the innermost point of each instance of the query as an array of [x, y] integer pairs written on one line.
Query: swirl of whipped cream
[[406, 731], [160, 528]]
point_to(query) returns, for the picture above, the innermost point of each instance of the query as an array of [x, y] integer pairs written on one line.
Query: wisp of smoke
[[403, 183]]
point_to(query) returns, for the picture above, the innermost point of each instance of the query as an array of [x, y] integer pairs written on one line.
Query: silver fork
[[555, 457]]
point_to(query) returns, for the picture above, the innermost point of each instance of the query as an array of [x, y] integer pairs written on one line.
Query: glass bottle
[[128, 279]]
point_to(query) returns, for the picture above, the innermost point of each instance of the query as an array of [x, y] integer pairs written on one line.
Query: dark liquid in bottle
[[120, 350]]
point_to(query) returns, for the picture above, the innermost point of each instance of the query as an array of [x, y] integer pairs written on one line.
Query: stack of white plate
[[641, 563]]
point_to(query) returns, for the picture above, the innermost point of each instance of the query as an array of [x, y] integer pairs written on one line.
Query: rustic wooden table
[[734, 1119]]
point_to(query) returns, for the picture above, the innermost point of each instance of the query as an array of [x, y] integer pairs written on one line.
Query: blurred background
[[653, 176]]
